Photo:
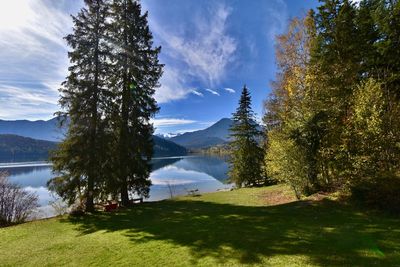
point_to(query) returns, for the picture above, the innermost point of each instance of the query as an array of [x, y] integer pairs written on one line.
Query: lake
[[172, 175]]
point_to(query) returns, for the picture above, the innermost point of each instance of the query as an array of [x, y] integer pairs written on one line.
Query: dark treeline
[[333, 119], [19, 148], [108, 98]]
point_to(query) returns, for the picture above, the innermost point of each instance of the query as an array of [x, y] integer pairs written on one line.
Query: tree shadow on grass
[[325, 232]]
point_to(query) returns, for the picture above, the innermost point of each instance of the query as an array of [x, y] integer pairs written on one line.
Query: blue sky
[[210, 50]]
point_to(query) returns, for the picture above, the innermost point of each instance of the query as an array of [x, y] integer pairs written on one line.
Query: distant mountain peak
[[218, 133], [223, 120]]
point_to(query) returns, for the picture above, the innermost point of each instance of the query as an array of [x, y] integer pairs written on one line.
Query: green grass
[[225, 228]]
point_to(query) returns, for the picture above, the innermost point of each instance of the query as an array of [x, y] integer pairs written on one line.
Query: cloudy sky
[[210, 50]]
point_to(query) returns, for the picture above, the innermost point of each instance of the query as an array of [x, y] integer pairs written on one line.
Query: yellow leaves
[[368, 107], [292, 55], [284, 160]]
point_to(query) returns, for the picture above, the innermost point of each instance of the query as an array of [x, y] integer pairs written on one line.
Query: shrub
[[16, 204], [382, 193]]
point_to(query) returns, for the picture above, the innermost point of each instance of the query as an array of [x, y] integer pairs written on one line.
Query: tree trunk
[[124, 195], [93, 124], [124, 155]]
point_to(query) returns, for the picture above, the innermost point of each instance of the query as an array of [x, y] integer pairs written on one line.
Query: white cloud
[[203, 55], [230, 90], [26, 102], [213, 92], [195, 92], [277, 21], [172, 86], [36, 97], [33, 56], [170, 122]]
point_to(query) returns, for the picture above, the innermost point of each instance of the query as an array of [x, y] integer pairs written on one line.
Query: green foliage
[[108, 99], [218, 150], [84, 99], [247, 156], [295, 125], [375, 154], [285, 162], [135, 74], [368, 130], [335, 124]]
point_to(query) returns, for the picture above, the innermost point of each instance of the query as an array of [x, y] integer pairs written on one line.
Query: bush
[[16, 204], [285, 162], [383, 193]]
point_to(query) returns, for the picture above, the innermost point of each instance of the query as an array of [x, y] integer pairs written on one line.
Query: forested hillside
[[14, 147], [164, 148], [20, 148]]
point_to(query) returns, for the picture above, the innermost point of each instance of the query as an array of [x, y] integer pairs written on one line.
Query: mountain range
[[32, 140], [37, 135], [42, 130], [216, 134]]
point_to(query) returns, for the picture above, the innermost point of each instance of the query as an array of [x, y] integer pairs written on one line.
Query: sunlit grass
[[233, 228]]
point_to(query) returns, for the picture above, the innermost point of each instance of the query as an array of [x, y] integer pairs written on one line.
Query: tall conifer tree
[[136, 73], [79, 160], [247, 156]]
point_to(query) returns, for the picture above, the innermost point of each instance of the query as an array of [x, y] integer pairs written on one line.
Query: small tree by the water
[[16, 204], [247, 155]]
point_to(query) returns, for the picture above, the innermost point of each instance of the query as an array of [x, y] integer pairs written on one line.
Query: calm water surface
[[176, 175]]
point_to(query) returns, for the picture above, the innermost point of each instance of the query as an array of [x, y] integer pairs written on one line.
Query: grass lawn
[[234, 228]]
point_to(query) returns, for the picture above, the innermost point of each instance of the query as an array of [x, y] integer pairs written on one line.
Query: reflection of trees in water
[[23, 170], [213, 166], [23, 158]]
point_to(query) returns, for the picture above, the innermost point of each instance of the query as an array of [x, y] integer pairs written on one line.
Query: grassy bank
[[261, 226]]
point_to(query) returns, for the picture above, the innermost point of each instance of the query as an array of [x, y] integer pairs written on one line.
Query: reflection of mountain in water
[[36, 176], [159, 163], [213, 166]]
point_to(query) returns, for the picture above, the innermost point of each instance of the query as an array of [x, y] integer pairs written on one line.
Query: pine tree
[[135, 73], [338, 60], [80, 158], [247, 157]]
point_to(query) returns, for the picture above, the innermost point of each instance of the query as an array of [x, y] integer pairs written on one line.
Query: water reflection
[[170, 176]]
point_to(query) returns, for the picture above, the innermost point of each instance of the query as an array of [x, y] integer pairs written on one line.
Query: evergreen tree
[[135, 76], [247, 156], [81, 157], [338, 58]]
